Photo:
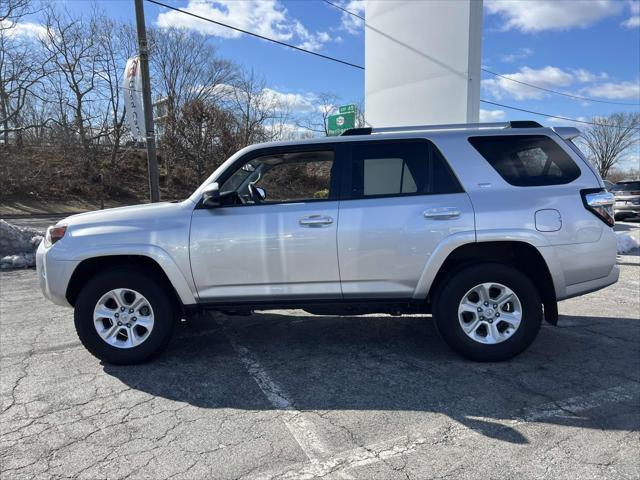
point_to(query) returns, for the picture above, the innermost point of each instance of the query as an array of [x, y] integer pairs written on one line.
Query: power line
[[506, 77], [576, 97], [360, 67], [284, 44], [344, 9], [558, 116]]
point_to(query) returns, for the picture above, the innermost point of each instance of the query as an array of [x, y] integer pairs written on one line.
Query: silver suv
[[484, 226], [627, 195]]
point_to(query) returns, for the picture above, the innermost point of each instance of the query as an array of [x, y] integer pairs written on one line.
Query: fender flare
[[533, 238], [160, 256]]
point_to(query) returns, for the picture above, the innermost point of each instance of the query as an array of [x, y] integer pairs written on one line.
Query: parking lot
[[289, 395]]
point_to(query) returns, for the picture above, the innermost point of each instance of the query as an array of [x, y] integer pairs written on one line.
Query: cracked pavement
[[288, 395]]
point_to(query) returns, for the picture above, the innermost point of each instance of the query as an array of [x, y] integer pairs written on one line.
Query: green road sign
[[339, 123], [347, 108]]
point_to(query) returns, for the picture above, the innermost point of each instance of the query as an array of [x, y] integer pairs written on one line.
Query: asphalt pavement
[[289, 395]]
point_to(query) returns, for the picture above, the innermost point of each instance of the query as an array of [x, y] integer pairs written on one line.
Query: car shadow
[[392, 364]]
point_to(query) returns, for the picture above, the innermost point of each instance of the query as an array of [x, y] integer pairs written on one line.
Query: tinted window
[[399, 168], [626, 187], [527, 160], [285, 177]]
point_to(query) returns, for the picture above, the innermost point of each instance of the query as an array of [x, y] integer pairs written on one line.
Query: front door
[[274, 235]]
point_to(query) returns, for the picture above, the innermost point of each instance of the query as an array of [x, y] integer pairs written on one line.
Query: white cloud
[[634, 20], [293, 102], [24, 29], [492, 115], [554, 78], [612, 90], [351, 23], [552, 14], [584, 76], [264, 17], [521, 54], [547, 77]]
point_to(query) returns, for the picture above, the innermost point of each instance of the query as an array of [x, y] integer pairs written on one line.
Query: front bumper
[[54, 274]]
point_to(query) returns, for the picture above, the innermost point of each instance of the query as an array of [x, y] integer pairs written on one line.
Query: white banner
[[132, 84]]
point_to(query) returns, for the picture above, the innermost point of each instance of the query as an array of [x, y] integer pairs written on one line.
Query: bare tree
[[609, 139], [72, 49], [111, 58], [327, 104], [11, 11], [21, 71], [185, 69], [259, 111]]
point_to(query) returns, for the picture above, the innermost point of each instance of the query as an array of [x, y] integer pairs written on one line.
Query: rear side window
[[527, 160], [397, 168]]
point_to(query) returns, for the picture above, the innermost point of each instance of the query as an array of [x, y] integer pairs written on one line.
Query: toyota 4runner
[[485, 226]]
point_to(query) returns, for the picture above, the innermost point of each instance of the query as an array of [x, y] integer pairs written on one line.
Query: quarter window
[[527, 160]]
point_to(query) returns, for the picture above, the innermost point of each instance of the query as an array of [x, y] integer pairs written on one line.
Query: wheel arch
[[89, 267], [521, 255]]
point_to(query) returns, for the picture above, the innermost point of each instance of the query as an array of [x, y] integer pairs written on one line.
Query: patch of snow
[[35, 241], [626, 243], [24, 260], [17, 245]]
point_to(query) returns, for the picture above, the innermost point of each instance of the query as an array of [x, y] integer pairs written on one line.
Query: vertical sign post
[[152, 160]]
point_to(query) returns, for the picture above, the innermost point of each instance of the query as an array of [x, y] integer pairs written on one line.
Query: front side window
[[282, 177], [399, 168], [527, 160]]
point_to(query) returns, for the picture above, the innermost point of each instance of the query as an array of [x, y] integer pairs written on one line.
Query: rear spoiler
[[568, 133]]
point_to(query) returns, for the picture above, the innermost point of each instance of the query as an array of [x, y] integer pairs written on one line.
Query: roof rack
[[453, 126]]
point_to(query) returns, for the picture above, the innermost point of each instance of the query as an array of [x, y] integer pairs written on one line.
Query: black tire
[[454, 288], [155, 292]]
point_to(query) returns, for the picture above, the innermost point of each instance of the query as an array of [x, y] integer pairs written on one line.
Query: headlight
[[54, 233]]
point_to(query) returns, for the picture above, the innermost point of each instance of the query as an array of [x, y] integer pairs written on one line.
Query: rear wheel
[[488, 312], [124, 317]]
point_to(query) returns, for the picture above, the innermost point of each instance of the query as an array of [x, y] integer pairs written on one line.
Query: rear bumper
[[592, 285], [580, 268]]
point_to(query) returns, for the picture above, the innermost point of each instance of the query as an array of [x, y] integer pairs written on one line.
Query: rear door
[[399, 201]]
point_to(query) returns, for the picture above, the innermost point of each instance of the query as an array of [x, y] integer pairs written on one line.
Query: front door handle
[[315, 221], [442, 213]]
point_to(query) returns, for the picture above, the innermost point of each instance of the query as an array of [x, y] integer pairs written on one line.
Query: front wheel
[[488, 312], [124, 317]]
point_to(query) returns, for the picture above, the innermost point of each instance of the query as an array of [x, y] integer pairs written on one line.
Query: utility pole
[[152, 159]]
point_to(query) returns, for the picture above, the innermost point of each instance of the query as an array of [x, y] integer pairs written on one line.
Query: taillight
[[54, 234], [600, 203]]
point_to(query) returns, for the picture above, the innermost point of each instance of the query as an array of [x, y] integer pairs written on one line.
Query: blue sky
[[583, 47]]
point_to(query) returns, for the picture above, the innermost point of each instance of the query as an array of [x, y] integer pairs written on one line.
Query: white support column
[[422, 61]]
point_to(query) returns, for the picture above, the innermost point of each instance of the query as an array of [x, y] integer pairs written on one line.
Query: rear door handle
[[442, 213], [315, 221]]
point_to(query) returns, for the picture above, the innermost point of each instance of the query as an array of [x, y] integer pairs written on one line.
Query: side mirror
[[211, 194], [262, 193]]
